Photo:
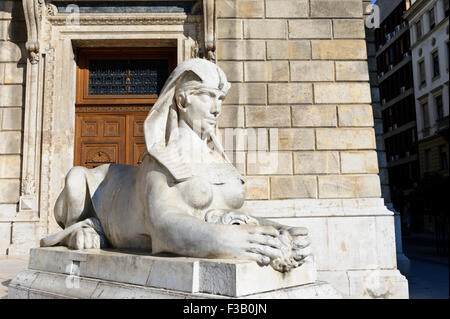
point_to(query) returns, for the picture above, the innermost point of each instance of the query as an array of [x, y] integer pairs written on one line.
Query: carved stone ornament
[[33, 13], [185, 198], [209, 26], [28, 186]]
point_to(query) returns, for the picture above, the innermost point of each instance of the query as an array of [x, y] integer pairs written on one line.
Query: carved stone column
[[28, 204], [209, 22]]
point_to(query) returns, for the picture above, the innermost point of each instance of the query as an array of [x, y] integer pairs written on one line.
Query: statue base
[[58, 272]]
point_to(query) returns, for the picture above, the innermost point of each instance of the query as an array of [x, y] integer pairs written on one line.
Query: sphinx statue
[[185, 198]]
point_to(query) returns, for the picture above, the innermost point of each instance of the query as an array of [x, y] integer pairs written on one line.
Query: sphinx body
[[185, 197]]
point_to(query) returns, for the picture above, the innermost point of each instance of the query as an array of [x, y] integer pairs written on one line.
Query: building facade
[[430, 56], [429, 34], [396, 87], [300, 88]]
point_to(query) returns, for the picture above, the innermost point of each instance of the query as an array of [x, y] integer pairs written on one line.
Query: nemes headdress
[[161, 124]]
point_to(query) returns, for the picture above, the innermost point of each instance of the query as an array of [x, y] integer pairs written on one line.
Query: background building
[[396, 87], [429, 25]]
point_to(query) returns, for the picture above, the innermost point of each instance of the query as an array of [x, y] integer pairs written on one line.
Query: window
[[422, 79], [418, 30], [446, 7], [435, 63], [443, 156], [123, 76], [439, 107], [425, 115], [432, 18]]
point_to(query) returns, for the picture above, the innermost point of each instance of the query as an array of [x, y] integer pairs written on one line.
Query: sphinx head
[[199, 94]]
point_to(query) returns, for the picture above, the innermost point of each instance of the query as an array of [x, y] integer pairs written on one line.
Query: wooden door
[[109, 120], [103, 138]]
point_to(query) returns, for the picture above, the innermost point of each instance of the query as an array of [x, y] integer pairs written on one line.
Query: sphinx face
[[202, 108]]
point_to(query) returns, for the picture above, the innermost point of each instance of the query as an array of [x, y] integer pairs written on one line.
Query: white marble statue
[[185, 197]]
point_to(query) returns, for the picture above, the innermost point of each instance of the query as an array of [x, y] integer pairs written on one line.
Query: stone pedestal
[[61, 273]]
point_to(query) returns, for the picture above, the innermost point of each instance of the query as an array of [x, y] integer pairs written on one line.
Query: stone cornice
[[127, 19]]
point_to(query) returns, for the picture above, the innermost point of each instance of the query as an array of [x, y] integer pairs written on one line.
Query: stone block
[[2, 73], [24, 237], [386, 249], [226, 277], [316, 162], [240, 9], [269, 163], [256, 187], [10, 191], [14, 73], [287, 93], [312, 71], [233, 70], [11, 95], [349, 186], [359, 162], [232, 116], [349, 92], [349, 29], [288, 50], [293, 187], [378, 284], [8, 212], [287, 8], [265, 29], [339, 50], [271, 71], [238, 160], [11, 142], [9, 52], [314, 116], [353, 249], [336, 9], [292, 139], [247, 93], [355, 115], [241, 50], [352, 71], [310, 29], [12, 119], [268, 116], [229, 29], [10, 166], [234, 139], [345, 139]]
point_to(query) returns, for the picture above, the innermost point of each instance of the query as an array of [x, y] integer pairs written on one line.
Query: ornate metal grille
[[127, 77]]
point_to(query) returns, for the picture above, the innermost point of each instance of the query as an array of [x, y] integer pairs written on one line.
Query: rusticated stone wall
[[300, 67], [12, 78]]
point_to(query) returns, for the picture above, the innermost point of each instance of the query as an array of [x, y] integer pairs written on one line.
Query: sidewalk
[[428, 277], [428, 280], [9, 268]]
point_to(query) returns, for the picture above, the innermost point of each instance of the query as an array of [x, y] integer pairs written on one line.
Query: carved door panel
[[136, 138], [109, 138]]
